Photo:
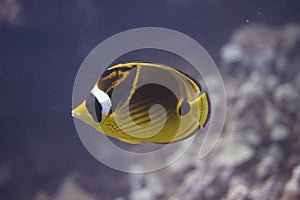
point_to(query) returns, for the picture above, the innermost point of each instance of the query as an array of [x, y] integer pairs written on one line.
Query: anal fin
[[130, 141]]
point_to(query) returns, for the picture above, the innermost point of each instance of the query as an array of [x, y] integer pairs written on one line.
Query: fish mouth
[[74, 114], [78, 111]]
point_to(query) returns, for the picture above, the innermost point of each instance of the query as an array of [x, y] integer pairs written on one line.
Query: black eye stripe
[[94, 107], [98, 109]]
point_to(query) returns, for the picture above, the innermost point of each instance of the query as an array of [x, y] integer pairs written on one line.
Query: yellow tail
[[203, 104]]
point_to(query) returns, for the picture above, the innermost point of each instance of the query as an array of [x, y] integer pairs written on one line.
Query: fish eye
[[94, 107], [184, 108]]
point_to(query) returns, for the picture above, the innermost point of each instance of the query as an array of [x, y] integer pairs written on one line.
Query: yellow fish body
[[144, 102]]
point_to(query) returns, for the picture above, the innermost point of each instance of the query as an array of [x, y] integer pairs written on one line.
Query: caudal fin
[[203, 103]]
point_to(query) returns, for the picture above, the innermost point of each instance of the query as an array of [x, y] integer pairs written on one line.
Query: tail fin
[[203, 103]]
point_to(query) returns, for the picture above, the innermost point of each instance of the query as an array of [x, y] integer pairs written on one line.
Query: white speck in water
[[247, 20]]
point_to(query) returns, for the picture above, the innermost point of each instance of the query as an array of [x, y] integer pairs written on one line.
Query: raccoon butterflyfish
[[144, 102]]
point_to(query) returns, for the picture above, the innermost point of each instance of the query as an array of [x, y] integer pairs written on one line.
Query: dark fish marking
[[112, 78], [94, 107], [158, 94], [184, 108]]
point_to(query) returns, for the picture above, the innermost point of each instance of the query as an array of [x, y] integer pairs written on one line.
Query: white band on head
[[103, 99]]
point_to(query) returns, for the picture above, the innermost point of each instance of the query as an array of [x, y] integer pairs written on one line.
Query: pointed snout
[[79, 111]]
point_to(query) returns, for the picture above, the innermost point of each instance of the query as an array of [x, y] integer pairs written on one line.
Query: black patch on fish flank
[[94, 107], [145, 112], [158, 94], [147, 103]]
